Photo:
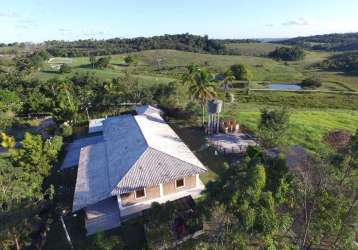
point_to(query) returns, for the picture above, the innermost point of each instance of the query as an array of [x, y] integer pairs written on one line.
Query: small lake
[[284, 86]]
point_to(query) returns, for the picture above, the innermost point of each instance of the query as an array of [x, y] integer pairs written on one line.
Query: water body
[[284, 86]]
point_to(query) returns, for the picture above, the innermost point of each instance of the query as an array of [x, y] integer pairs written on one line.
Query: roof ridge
[[107, 165], [177, 158], [141, 155], [119, 187]]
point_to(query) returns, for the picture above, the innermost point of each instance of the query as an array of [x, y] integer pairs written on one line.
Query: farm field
[[167, 65], [307, 128]]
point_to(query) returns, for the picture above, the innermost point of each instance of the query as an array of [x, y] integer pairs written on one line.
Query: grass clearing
[[308, 127], [254, 49], [167, 65]]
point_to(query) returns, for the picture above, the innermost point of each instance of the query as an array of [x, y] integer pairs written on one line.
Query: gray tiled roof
[[73, 151], [152, 168], [137, 151], [92, 177]]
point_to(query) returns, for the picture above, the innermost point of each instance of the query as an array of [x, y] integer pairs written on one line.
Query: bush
[[288, 54], [65, 130], [241, 72], [312, 82], [347, 62], [65, 68], [103, 62]]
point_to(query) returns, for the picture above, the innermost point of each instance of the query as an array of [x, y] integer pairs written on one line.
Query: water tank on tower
[[214, 109]]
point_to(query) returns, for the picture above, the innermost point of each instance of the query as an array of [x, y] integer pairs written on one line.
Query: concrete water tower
[[214, 109]]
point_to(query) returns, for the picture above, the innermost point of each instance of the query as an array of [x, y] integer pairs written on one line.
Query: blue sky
[[39, 20]]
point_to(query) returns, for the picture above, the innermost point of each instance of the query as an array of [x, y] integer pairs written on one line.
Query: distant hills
[[328, 42], [187, 42]]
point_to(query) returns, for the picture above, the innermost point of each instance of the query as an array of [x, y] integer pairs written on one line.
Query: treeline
[[183, 42], [347, 62], [328, 42], [287, 54]]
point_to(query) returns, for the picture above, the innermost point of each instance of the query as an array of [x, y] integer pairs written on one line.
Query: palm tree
[[203, 88], [188, 77], [228, 79]]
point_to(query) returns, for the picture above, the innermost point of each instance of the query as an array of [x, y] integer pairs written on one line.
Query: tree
[[203, 89], [37, 61], [101, 242], [312, 82], [10, 103], [24, 64], [288, 53], [188, 77], [131, 60], [22, 184], [93, 60], [246, 194], [64, 106], [228, 79], [65, 68], [272, 126], [103, 62], [241, 72]]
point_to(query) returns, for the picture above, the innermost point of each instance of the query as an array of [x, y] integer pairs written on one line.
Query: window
[[140, 193], [179, 183]]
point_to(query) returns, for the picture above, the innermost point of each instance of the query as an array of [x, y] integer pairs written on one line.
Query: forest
[[328, 42], [347, 62], [183, 42]]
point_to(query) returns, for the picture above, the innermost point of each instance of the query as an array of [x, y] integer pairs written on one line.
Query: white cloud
[[297, 22], [9, 14], [269, 25], [92, 33]]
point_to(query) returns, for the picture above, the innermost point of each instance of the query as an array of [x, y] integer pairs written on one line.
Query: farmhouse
[[137, 160]]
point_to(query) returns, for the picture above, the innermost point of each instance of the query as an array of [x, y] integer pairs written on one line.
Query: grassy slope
[[254, 49], [308, 127], [167, 65]]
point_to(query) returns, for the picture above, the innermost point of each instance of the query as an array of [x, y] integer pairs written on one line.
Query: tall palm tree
[[228, 79], [188, 77], [203, 89]]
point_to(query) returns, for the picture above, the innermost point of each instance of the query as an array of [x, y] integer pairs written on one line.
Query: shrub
[[312, 82], [338, 140], [241, 72], [65, 130], [288, 54], [65, 68]]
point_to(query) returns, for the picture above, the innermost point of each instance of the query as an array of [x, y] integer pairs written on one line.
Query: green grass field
[[254, 49], [167, 65], [308, 127]]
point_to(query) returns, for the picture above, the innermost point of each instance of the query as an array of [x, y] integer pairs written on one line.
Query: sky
[[42, 20]]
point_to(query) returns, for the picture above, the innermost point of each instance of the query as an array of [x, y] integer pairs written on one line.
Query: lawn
[[195, 138], [308, 127]]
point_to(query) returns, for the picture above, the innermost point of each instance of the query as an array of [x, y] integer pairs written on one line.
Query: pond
[[284, 86]]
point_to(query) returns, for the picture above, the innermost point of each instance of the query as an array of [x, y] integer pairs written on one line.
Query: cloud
[[64, 30], [269, 25], [92, 33], [297, 22], [26, 26], [9, 14]]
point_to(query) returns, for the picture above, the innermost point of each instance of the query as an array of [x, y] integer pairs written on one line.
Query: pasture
[[167, 65], [307, 128], [253, 49]]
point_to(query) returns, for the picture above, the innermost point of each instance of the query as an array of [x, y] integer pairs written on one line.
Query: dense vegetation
[[347, 62], [328, 42], [288, 54], [312, 82], [184, 42]]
